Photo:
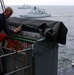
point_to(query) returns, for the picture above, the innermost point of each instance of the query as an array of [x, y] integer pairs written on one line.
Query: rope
[[2, 5]]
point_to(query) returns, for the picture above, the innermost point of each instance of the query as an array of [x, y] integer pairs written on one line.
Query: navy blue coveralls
[[3, 25]]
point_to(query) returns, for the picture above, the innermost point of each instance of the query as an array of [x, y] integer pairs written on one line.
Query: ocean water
[[58, 13]]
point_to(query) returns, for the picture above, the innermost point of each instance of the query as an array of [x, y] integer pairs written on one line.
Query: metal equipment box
[[39, 55]]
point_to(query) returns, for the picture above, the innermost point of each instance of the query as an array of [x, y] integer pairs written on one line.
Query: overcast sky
[[39, 2]]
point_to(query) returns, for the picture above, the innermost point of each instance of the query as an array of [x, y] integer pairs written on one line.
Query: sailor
[[3, 17], [4, 27]]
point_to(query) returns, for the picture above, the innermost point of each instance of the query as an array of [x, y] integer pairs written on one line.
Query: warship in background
[[25, 7], [36, 13]]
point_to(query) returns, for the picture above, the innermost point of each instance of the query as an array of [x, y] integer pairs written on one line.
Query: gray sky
[[39, 2]]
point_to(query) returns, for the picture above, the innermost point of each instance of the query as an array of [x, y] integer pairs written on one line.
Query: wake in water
[[64, 15]]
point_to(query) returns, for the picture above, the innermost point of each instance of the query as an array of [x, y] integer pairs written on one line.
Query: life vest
[[2, 36]]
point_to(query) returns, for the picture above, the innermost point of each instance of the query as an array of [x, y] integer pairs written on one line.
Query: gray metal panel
[[45, 58], [43, 45], [17, 61]]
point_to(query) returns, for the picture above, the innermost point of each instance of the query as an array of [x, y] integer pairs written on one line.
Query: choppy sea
[[58, 13]]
